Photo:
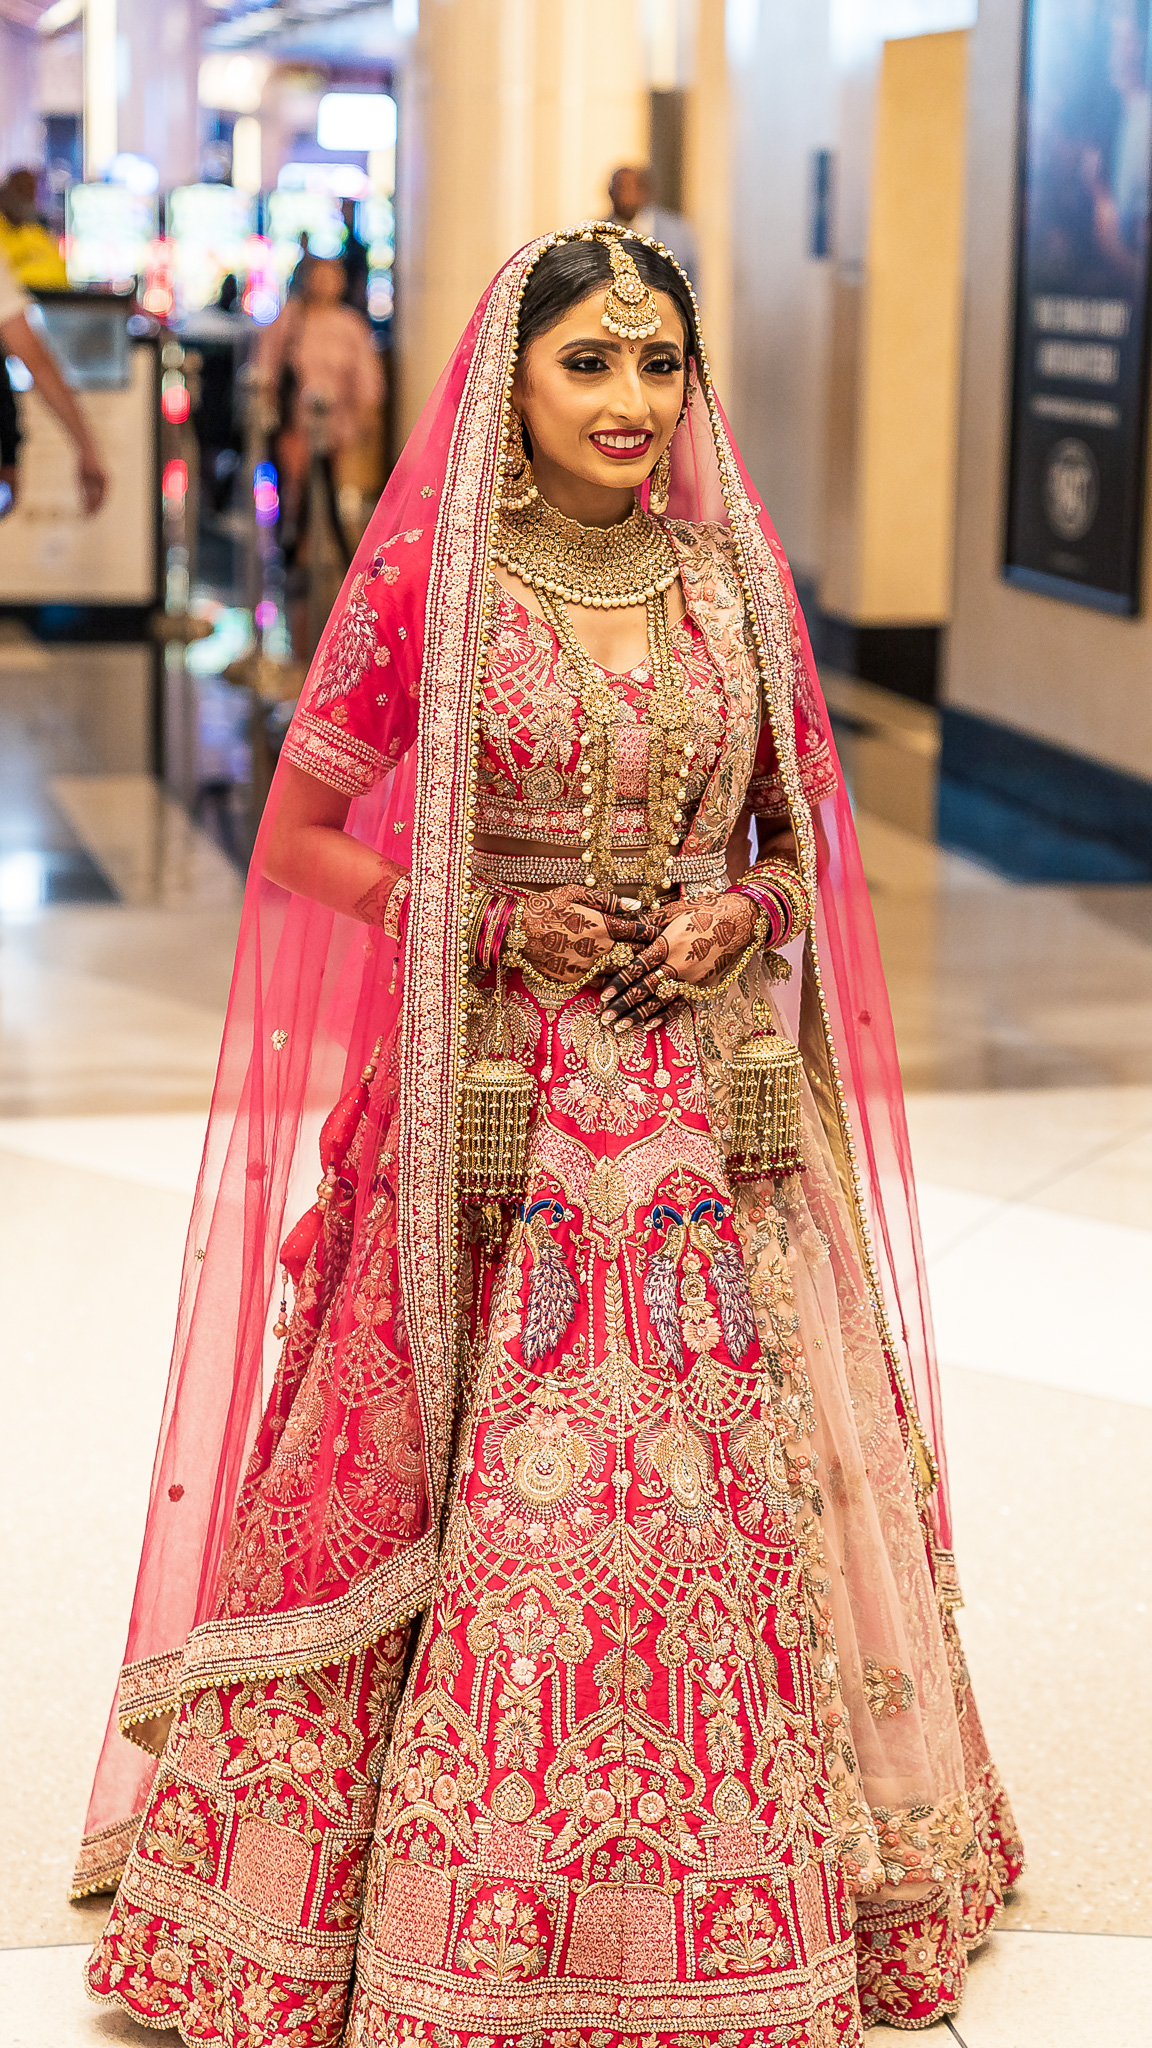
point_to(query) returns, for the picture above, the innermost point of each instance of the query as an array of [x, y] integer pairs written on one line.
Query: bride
[[563, 1652]]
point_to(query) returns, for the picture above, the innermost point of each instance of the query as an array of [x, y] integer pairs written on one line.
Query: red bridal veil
[[316, 996]]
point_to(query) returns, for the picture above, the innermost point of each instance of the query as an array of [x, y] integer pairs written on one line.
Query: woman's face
[[600, 408]]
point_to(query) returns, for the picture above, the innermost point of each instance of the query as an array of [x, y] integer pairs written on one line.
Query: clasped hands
[[565, 931]]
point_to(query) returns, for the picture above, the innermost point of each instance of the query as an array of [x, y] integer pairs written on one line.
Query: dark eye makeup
[[590, 363]]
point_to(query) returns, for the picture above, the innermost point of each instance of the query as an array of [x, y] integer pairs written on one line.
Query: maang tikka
[[519, 485], [630, 308]]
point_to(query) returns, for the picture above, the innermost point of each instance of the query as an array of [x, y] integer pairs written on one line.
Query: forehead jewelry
[[630, 309]]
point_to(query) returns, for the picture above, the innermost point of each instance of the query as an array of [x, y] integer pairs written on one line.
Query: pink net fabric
[[386, 717]]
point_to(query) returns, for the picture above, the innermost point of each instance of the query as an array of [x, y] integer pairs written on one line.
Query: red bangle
[[495, 919], [776, 888]]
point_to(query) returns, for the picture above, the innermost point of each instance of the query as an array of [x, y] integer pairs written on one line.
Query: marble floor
[[1025, 1022]]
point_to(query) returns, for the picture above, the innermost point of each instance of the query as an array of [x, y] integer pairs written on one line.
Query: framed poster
[[1080, 374]]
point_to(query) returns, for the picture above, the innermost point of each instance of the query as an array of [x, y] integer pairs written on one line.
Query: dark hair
[[571, 271]]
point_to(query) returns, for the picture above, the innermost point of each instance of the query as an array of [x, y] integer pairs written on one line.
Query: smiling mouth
[[622, 447]]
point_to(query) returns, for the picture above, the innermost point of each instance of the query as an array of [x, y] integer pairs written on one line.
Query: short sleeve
[[357, 717], [767, 797]]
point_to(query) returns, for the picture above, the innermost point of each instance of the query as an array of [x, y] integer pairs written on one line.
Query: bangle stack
[[776, 888], [491, 915]]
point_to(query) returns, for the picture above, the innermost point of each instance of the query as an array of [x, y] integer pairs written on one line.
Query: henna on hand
[[705, 935], [566, 929]]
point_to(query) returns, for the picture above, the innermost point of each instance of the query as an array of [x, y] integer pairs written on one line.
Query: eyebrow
[[610, 346]]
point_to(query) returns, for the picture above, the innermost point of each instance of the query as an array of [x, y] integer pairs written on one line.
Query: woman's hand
[[698, 941], [565, 931]]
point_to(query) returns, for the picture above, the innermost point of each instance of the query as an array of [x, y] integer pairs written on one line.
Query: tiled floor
[[1024, 1017]]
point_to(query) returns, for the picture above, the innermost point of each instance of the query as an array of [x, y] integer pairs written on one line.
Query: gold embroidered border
[[202, 1910], [775, 634], [283, 1645], [102, 1857], [457, 616], [547, 2003], [337, 758]]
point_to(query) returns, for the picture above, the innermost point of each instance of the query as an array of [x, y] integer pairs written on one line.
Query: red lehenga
[[683, 1748]]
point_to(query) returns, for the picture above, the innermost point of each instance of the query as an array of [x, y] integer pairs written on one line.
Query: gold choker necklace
[[600, 566]]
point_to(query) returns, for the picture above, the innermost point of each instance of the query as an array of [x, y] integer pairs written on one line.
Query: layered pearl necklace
[[605, 568]]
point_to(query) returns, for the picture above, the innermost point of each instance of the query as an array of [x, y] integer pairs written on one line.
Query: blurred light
[[158, 296], [175, 480], [265, 494], [19, 375], [742, 29], [265, 613], [60, 15], [356, 120], [337, 181], [858, 26], [23, 884], [232, 85], [382, 171], [136, 173], [101, 86], [247, 154], [175, 402], [405, 16], [263, 303], [380, 295]]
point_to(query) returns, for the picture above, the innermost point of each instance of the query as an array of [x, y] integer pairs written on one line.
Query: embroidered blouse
[[528, 785]]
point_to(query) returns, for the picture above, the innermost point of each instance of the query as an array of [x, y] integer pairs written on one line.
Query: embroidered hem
[[100, 1864], [281, 1645]]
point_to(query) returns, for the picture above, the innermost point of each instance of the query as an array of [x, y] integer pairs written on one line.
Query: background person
[[630, 190], [31, 249], [21, 339], [319, 376]]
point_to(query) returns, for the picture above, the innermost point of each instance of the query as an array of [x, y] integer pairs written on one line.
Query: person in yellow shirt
[[30, 250]]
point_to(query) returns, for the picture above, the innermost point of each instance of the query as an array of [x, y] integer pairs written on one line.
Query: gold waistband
[[551, 871]]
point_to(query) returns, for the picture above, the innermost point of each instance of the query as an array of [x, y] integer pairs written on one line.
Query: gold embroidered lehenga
[[683, 1747]]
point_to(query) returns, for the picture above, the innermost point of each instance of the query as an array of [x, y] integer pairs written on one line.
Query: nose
[[629, 401]]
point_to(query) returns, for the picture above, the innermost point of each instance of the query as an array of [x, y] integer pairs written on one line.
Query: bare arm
[[21, 339], [310, 853]]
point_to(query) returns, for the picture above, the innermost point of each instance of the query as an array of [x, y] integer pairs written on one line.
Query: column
[[513, 114]]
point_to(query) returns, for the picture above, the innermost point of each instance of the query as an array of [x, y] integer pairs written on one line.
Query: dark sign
[[1080, 383]]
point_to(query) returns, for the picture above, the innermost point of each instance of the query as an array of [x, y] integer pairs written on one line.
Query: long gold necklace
[[670, 748], [606, 568]]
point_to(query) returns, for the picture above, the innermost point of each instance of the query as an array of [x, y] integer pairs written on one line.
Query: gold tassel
[[766, 1076], [495, 1105]]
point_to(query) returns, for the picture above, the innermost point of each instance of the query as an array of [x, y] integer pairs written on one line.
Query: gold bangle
[[480, 900]]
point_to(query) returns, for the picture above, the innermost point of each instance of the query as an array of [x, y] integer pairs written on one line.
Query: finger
[[605, 900], [630, 999], [636, 930]]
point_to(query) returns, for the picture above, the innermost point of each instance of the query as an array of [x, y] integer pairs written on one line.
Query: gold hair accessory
[[630, 308], [660, 483], [519, 486]]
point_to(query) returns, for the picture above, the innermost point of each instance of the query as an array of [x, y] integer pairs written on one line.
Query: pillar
[[513, 114]]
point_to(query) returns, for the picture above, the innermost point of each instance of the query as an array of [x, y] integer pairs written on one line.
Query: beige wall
[[1075, 677], [783, 106], [513, 115], [893, 451]]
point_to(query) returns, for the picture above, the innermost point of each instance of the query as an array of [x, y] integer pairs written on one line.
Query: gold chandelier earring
[[519, 486], [660, 483]]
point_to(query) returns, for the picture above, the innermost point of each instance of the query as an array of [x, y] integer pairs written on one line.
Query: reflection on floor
[[1025, 1021]]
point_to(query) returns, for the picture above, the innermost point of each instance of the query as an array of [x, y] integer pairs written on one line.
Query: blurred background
[[247, 236]]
